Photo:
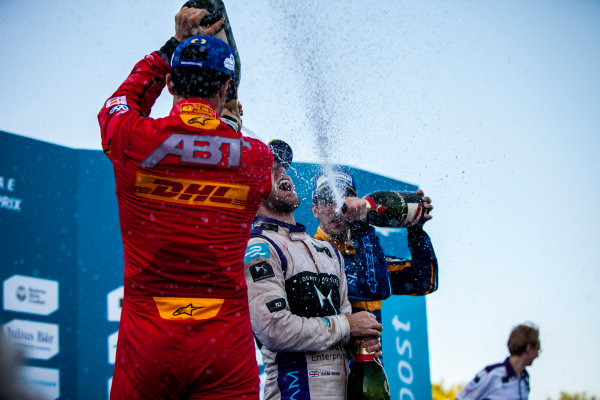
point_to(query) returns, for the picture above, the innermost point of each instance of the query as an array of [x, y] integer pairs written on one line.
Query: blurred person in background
[[508, 379], [10, 362]]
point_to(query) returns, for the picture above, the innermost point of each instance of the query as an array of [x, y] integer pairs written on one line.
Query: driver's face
[[329, 221], [283, 197]]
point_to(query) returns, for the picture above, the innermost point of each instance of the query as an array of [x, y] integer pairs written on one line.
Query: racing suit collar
[[195, 106], [510, 371], [343, 247], [292, 228]]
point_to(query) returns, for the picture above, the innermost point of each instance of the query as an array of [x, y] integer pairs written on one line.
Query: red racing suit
[[188, 187]]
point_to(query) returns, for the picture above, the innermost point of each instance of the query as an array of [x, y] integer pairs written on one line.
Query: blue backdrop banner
[[61, 261]]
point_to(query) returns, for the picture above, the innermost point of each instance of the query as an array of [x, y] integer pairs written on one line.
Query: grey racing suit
[[298, 301]]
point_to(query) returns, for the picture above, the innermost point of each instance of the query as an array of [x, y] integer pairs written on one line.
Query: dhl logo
[[190, 192]]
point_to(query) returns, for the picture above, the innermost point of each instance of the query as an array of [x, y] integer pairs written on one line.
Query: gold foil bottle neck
[[362, 350]]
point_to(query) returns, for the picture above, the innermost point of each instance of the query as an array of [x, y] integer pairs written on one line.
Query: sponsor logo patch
[[199, 115], [313, 294], [178, 308], [201, 122], [262, 270], [118, 108], [229, 62], [197, 109], [30, 295], [37, 340], [276, 305], [322, 250], [187, 310], [270, 227], [191, 192], [115, 101], [257, 250], [198, 149]]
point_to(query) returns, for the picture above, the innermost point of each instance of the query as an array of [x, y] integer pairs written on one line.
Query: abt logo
[[189, 150], [190, 192]]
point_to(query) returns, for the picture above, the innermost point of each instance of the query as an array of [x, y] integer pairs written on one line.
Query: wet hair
[[521, 336], [194, 81], [326, 196]]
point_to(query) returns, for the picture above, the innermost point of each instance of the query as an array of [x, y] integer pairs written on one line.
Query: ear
[[223, 88], [170, 84], [529, 348], [314, 210]]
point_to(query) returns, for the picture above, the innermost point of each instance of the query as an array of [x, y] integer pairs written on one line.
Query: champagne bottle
[[217, 11], [367, 380], [394, 209]]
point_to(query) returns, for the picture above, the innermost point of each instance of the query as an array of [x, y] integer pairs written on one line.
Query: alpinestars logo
[[188, 310], [172, 308], [199, 120]]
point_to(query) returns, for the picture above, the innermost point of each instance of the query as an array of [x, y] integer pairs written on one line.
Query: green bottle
[[367, 380], [394, 209], [217, 11]]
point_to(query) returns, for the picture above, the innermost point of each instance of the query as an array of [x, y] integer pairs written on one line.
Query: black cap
[[282, 152]]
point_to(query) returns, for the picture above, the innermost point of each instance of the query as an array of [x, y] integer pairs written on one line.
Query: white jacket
[[497, 382], [298, 301]]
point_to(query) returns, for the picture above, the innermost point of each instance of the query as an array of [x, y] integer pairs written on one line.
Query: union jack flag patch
[[314, 374]]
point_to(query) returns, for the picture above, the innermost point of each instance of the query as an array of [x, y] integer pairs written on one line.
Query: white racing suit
[[497, 382], [298, 301]]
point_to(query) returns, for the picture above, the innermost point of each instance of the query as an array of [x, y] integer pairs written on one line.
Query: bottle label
[[364, 358], [395, 209], [414, 214]]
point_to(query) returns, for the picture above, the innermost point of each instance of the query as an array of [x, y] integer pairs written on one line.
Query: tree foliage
[[575, 396], [439, 392]]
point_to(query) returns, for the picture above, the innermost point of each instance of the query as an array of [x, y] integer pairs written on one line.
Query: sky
[[492, 108]]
